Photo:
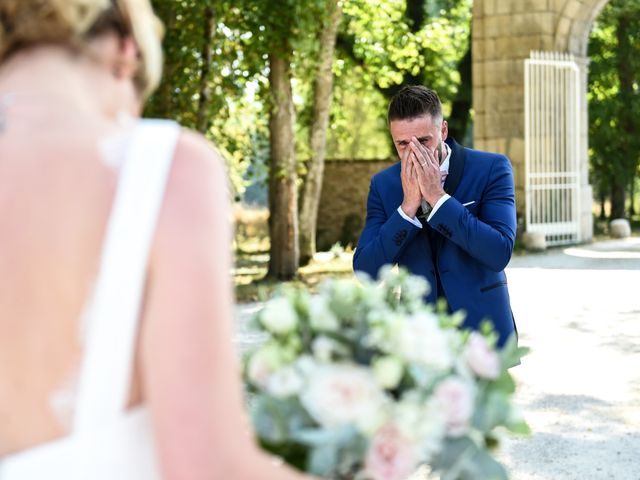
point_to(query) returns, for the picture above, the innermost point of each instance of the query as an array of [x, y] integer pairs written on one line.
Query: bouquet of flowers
[[365, 381]]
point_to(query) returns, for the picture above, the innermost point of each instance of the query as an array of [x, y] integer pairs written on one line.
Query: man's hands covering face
[[410, 186], [426, 167]]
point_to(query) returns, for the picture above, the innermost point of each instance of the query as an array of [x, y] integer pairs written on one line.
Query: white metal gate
[[552, 146]]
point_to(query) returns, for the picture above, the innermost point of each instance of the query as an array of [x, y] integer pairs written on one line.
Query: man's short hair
[[414, 101]]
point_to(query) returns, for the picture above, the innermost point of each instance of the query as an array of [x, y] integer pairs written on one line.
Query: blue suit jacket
[[473, 243]]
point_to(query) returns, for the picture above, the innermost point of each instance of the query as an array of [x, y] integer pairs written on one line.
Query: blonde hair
[[25, 23]]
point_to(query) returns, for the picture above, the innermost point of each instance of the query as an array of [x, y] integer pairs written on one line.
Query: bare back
[[56, 191]]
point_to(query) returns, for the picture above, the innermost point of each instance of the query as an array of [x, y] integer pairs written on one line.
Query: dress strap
[[112, 317]]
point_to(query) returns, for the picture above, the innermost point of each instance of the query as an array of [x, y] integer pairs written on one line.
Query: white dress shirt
[[444, 169]]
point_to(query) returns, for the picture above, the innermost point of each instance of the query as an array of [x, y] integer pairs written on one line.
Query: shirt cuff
[[438, 204], [413, 220]]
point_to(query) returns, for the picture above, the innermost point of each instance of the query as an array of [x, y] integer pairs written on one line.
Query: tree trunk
[[632, 197], [603, 200], [283, 194], [618, 186], [202, 116], [626, 167], [323, 90], [461, 106]]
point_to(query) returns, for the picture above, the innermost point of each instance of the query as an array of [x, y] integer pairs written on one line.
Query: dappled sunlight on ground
[[579, 311]]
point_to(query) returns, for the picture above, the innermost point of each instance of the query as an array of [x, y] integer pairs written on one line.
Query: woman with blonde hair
[[116, 358]]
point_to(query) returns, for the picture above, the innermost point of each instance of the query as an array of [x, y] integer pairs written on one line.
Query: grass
[[251, 247], [251, 284]]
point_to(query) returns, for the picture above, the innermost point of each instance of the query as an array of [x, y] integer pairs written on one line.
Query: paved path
[[578, 309]]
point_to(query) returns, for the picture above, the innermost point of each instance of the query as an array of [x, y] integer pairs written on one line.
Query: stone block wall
[[343, 203], [504, 34]]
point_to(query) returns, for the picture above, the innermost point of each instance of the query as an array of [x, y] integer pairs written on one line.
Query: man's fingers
[[404, 164], [411, 166], [418, 155], [425, 162], [418, 166], [425, 157], [428, 154]]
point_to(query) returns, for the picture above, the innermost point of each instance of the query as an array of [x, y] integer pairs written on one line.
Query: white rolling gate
[[552, 147]]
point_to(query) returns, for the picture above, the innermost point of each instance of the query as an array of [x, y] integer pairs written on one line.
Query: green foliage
[[463, 459], [614, 95], [358, 127], [393, 48], [382, 45], [235, 120]]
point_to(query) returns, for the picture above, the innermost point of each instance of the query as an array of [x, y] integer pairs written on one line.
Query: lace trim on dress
[[5, 102], [62, 401]]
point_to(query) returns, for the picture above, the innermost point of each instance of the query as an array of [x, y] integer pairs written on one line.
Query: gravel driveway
[[578, 309]]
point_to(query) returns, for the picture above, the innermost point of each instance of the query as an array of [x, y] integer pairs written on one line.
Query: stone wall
[[504, 34], [343, 203]]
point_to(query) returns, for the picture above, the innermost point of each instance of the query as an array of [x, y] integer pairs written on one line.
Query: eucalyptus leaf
[[462, 459], [492, 412], [323, 460], [339, 436]]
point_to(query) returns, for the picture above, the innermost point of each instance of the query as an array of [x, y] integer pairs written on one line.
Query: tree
[[206, 73], [256, 77], [410, 42], [322, 95], [284, 254], [281, 33], [614, 101]]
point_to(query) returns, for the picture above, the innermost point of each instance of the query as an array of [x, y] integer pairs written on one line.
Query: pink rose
[[339, 394], [391, 455], [456, 401], [481, 359]]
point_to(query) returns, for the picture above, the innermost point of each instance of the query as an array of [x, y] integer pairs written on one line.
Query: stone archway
[[504, 34]]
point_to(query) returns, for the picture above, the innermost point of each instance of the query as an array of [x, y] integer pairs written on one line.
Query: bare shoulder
[[197, 159], [197, 198]]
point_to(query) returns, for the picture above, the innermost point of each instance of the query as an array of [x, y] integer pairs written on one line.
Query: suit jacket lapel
[[456, 166]]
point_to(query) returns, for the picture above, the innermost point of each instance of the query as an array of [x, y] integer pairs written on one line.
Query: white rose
[[481, 359], [345, 394], [388, 273], [263, 363], [306, 365], [415, 287], [455, 399], [420, 340], [388, 371], [422, 421], [320, 315], [285, 382], [278, 316], [325, 348], [384, 326], [345, 295]]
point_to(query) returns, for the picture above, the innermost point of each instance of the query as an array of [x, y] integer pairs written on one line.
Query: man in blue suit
[[445, 212]]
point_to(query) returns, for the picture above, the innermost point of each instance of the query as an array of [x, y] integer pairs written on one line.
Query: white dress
[[106, 442]]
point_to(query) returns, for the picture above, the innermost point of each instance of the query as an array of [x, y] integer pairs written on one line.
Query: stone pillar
[[504, 34], [586, 192]]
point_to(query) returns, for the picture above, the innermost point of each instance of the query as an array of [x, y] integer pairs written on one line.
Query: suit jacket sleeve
[[489, 237], [383, 238]]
